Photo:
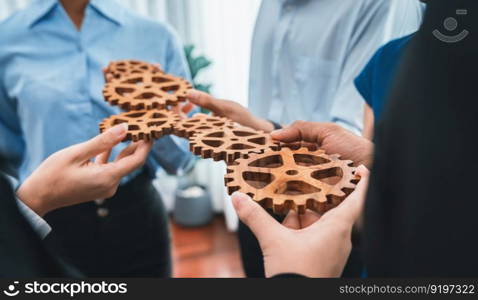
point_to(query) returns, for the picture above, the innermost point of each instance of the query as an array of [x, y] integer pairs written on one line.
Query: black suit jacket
[[22, 252]]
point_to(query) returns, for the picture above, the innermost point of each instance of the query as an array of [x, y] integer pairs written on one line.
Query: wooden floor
[[206, 252]]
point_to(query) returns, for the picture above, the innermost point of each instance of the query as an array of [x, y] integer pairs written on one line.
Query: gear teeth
[[143, 125], [268, 180], [230, 143], [122, 68], [153, 92]]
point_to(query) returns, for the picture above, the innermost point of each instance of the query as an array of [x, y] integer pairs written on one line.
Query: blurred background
[[218, 30]]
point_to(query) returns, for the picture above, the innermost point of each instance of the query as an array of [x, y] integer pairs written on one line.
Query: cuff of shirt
[[39, 225], [349, 127]]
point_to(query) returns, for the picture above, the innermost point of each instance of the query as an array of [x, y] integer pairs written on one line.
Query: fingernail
[[238, 198], [119, 130], [278, 131], [193, 94]]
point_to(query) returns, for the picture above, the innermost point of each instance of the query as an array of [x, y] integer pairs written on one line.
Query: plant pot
[[193, 206]]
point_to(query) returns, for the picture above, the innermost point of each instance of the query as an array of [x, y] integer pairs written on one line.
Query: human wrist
[[367, 157], [35, 200]]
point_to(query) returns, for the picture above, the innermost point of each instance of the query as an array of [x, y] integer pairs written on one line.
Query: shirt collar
[[39, 10], [108, 8]]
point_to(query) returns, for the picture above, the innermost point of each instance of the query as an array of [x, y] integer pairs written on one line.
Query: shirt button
[[102, 212], [99, 201]]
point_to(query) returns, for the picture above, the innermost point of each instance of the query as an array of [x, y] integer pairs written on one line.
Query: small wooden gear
[[122, 68], [229, 144], [146, 91], [199, 123], [293, 179], [143, 125]]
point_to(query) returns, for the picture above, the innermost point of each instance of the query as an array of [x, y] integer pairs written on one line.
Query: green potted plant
[[196, 65]]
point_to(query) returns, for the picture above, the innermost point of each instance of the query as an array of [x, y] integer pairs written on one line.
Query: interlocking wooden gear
[[293, 179], [199, 123], [145, 124], [229, 144], [122, 68], [146, 91]]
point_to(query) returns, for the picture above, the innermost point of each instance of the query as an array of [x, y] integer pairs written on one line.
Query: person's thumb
[[255, 217], [288, 134], [101, 143]]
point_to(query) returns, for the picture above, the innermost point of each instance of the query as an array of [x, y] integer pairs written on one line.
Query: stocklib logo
[[11, 290], [451, 24]]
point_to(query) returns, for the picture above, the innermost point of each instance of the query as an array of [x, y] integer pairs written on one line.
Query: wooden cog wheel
[[293, 179], [146, 91], [124, 68], [143, 125], [200, 123], [229, 144]]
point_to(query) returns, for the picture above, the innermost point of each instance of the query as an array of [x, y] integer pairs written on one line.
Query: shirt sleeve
[[11, 141], [39, 225], [364, 82], [176, 62], [371, 33]]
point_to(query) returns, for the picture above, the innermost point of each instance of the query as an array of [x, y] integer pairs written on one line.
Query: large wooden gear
[[229, 144], [291, 179], [143, 125], [146, 91], [199, 123], [121, 68]]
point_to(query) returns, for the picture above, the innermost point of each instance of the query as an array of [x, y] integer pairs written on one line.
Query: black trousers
[[253, 262], [127, 236]]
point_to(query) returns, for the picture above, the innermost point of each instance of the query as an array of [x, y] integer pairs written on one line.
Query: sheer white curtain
[[7, 7], [221, 30]]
